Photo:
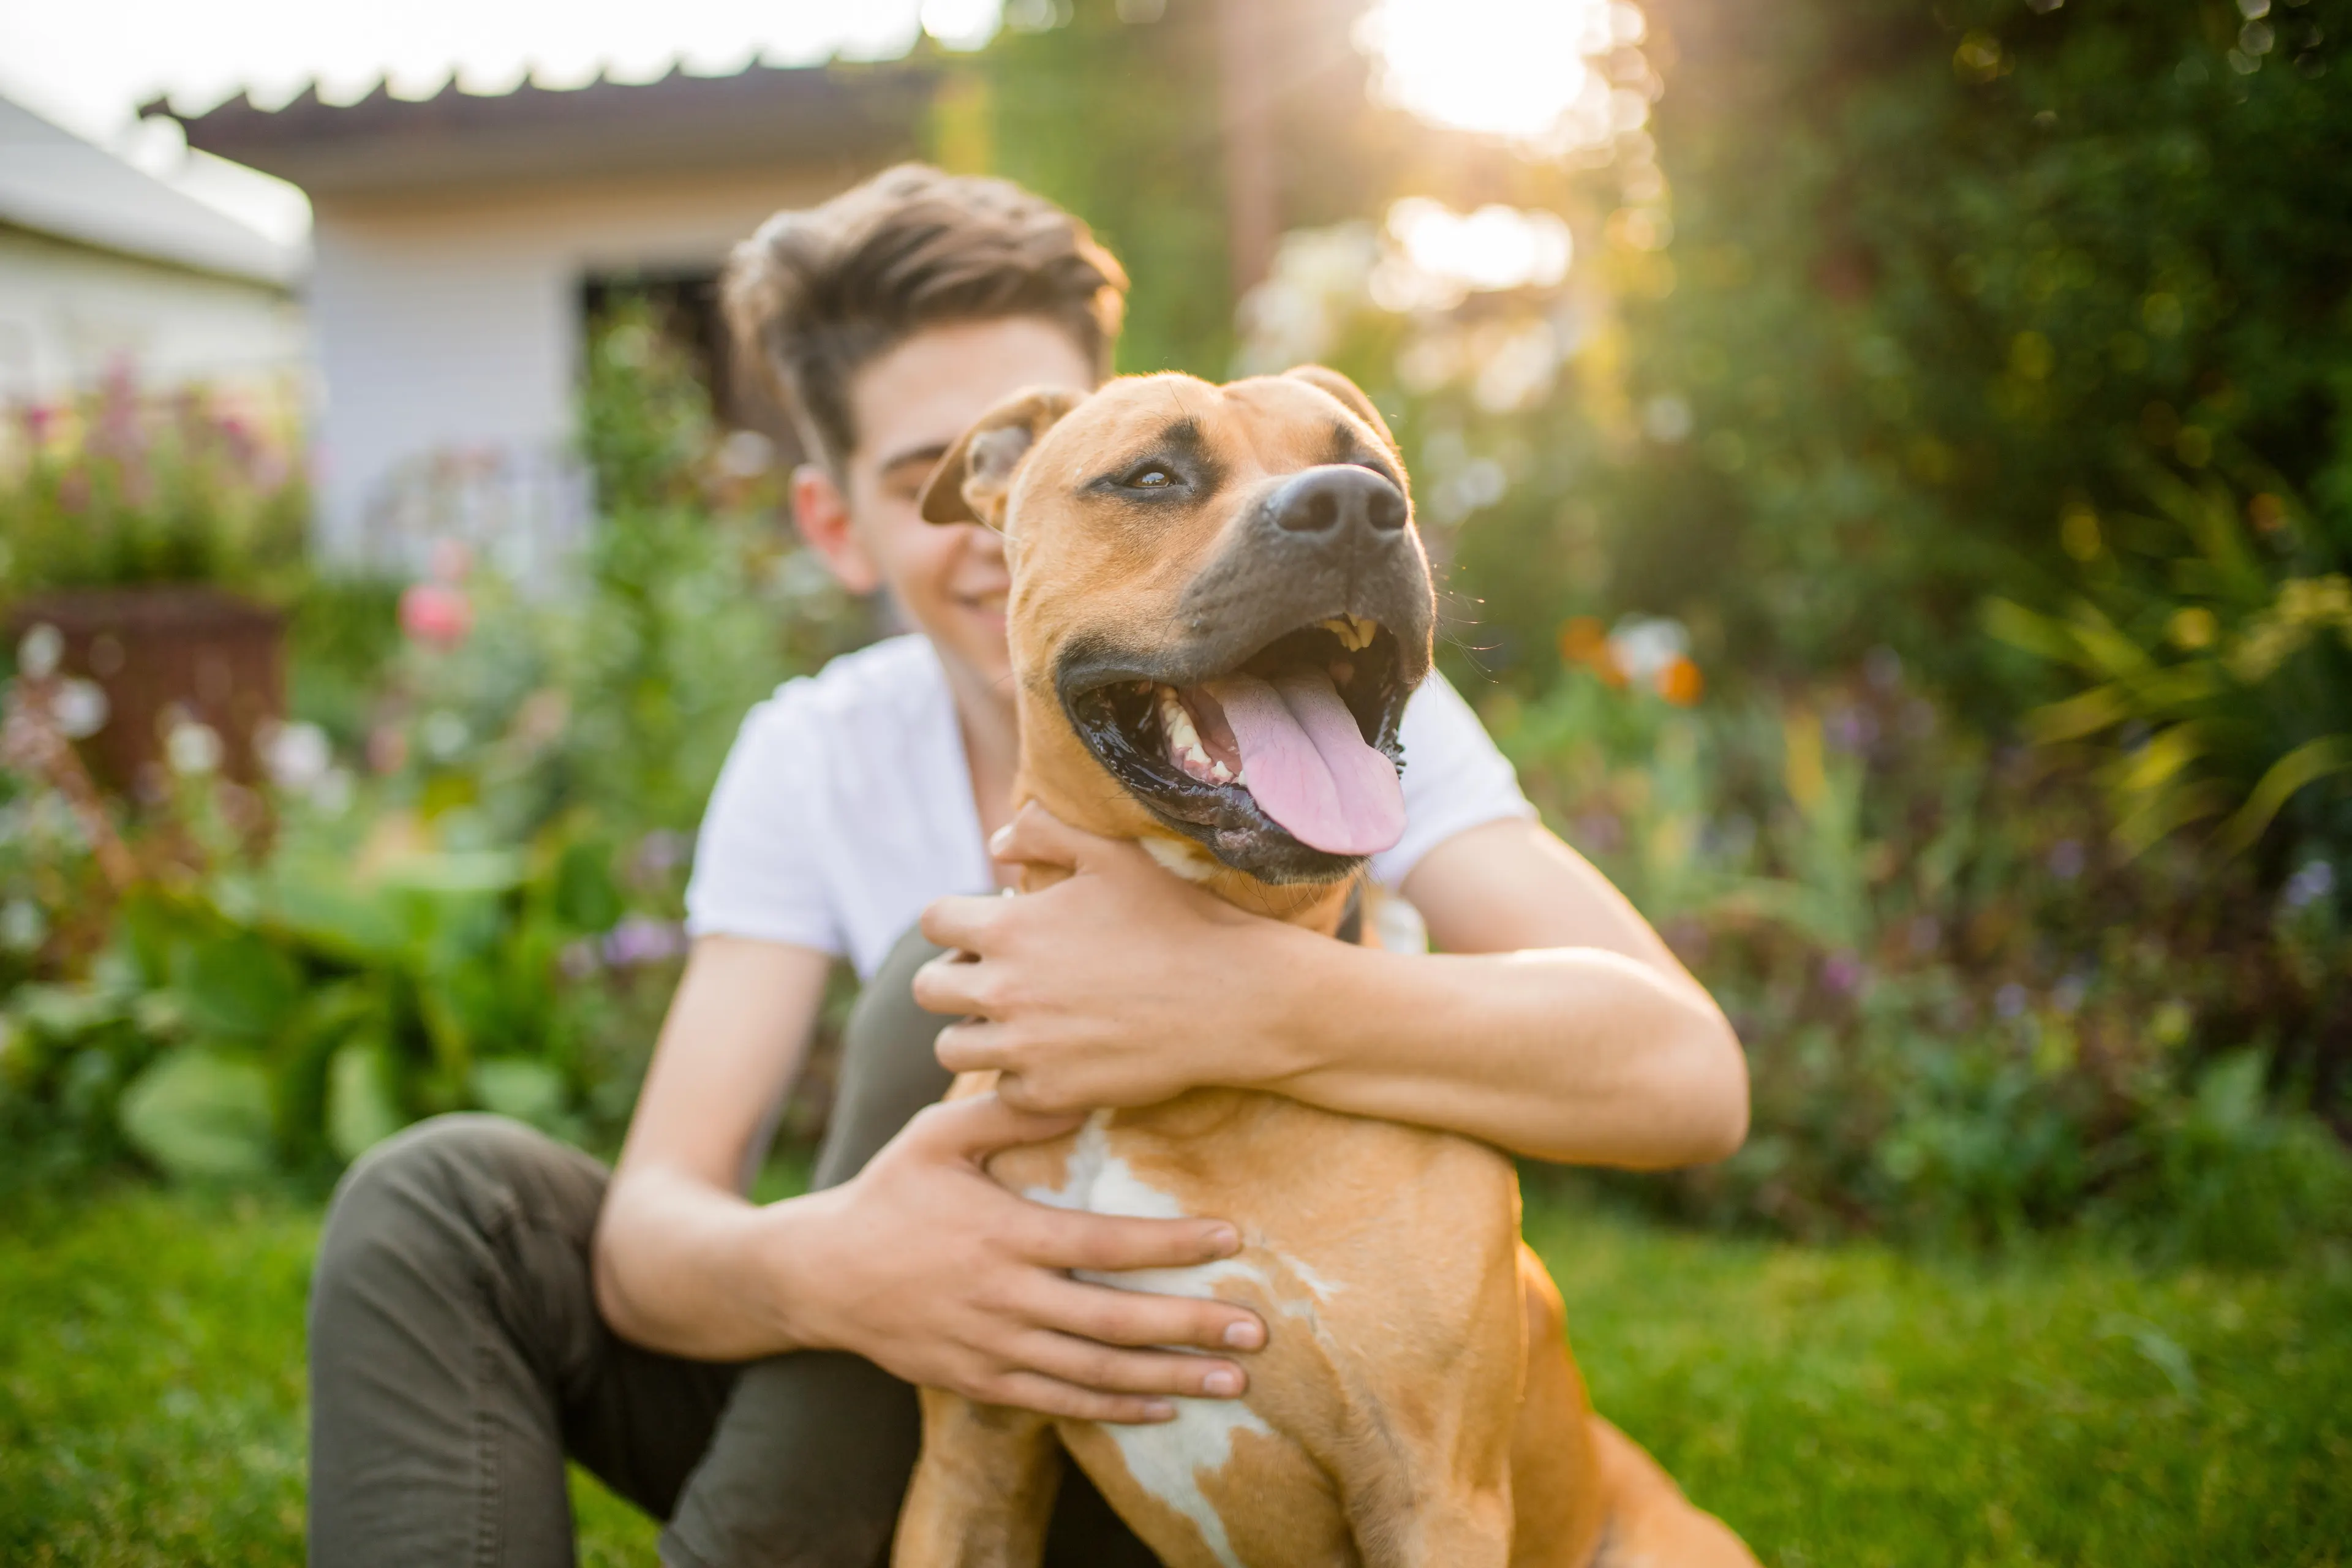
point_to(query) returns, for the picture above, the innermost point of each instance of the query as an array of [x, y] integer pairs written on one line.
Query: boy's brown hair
[[817, 295]]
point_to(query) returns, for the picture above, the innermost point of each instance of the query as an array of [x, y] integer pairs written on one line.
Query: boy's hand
[[927, 1267], [1119, 986]]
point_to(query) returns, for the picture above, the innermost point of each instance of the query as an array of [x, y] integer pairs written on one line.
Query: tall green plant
[[2218, 651]]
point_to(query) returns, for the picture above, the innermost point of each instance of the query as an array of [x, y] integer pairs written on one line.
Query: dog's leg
[[984, 1489], [1651, 1523], [1451, 1500], [1466, 1530], [1556, 1487]]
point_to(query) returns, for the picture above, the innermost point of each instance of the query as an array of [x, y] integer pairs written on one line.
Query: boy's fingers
[[1051, 1396], [1107, 1369], [962, 923], [1038, 838], [948, 983], [1112, 1244], [970, 1047], [1138, 1317], [976, 1128]]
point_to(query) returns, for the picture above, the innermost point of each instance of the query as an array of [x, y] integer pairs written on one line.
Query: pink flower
[[435, 614]]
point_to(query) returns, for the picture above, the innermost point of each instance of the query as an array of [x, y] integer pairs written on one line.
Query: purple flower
[[1843, 972], [2009, 1000], [1852, 729], [2314, 882], [640, 941], [658, 854], [2066, 859]]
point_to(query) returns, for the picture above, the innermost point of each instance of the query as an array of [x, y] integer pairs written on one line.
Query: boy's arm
[[920, 1263], [679, 1249], [1556, 1025]]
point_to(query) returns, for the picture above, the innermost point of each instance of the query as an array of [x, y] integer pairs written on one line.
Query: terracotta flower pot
[[166, 654]]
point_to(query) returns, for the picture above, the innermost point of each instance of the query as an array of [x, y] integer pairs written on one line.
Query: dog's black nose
[[1338, 499]]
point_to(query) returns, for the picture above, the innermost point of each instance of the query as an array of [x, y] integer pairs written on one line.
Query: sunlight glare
[[1493, 249], [963, 24], [1517, 68]]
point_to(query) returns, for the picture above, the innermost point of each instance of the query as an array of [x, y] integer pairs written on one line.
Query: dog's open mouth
[[1285, 764]]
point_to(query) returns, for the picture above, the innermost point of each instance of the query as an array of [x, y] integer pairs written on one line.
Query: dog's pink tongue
[[1306, 762]]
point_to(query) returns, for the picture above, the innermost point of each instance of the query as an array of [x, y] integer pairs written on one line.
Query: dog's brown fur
[[1416, 1404]]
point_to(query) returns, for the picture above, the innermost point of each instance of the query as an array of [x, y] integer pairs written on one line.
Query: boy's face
[[908, 407]]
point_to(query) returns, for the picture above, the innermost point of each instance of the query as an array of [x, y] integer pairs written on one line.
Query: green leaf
[[2105, 649], [519, 1087], [237, 985], [318, 905], [2020, 628], [2084, 714], [362, 1108], [458, 873], [64, 1013], [201, 1115], [2306, 764], [586, 898]]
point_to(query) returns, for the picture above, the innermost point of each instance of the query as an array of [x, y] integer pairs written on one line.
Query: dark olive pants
[[457, 1360]]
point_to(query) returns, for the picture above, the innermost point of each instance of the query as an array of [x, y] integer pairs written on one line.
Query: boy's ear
[[973, 481], [1348, 394]]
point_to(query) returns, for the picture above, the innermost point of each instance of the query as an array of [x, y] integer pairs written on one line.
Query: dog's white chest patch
[[1166, 1459]]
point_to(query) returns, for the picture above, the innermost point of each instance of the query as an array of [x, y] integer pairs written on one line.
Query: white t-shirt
[[845, 804]]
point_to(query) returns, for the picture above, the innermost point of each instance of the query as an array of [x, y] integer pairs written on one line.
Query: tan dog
[[1219, 607]]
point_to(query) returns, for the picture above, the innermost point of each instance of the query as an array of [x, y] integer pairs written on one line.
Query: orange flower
[[1583, 640], [1580, 639], [1681, 683]]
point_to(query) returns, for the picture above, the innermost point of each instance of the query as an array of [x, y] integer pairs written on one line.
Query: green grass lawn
[[1840, 1406]]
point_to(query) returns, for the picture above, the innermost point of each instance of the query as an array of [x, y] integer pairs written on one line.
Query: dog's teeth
[[1220, 773]]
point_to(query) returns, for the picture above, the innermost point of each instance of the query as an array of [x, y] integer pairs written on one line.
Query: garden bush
[[1968, 1015], [122, 487], [474, 903]]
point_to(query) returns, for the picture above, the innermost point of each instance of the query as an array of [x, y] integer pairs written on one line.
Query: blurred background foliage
[[1893, 488]]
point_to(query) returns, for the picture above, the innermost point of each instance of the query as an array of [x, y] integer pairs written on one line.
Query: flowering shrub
[[1966, 1012], [470, 890], [120, 487]]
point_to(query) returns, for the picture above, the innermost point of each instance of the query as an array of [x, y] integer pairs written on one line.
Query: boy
[[487, 1302]]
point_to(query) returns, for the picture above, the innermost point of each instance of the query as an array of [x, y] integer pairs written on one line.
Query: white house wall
[[70, 315], [448, 327]]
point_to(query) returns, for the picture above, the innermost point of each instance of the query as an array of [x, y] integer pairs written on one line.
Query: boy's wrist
[[796, 1274], [1277, 1001]]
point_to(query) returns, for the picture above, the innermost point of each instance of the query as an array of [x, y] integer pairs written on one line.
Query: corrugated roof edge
[[56, 184], [842, 114]]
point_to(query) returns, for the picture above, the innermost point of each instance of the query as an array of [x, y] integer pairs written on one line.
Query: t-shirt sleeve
[[1455, 778], [755, 870]]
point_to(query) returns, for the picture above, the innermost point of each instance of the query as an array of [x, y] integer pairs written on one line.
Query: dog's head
[[1219, 605]]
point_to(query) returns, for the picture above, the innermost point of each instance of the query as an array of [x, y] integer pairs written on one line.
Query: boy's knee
[[446, 1186]]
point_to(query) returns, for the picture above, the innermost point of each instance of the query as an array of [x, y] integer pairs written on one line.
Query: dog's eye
[[1150, 476]]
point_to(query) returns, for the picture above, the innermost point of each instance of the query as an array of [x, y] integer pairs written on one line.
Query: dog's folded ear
[[974, 480], [1350, 395]]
